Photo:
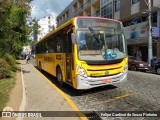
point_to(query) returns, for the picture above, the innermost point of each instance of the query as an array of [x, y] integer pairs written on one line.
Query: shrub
[[5, 70], [11, 60]]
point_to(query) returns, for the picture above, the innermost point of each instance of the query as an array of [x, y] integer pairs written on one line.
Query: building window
[[134, 1], [106, 11], [117, 5], [104, 2], [154, 17]]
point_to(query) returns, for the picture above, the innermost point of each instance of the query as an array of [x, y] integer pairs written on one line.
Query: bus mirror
[[73, 37]]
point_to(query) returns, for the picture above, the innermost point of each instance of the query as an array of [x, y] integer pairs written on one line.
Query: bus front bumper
[[91, 82]]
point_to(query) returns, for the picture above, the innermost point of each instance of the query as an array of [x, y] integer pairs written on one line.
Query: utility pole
[[150, 51]]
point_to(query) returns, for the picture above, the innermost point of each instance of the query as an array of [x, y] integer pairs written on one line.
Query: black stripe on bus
[[103, 62]]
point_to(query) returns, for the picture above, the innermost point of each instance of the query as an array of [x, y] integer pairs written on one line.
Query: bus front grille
[[105, 69], [104, 75]]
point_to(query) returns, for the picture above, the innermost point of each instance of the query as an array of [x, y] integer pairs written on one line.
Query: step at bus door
[[68, 67], [69, 58]]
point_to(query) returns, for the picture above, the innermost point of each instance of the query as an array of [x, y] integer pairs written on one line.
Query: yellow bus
[[85, 52]]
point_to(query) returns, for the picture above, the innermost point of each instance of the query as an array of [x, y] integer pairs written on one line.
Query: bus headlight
[[125, 67], [81, 71]]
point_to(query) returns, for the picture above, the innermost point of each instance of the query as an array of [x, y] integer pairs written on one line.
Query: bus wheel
[[59, 77], [40, 66], [158, 71]]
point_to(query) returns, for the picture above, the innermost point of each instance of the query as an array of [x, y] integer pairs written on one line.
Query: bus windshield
[[108, 44]]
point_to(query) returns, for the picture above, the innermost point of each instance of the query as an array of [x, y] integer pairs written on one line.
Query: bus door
[[69, 58]]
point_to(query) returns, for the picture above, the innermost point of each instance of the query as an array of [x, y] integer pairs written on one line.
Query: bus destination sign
[[93, 22]]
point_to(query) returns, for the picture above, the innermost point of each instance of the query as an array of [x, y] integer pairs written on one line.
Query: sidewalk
[[15, 97], [40, 95]]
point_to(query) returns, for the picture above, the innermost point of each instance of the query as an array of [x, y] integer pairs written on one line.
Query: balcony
[[61, 22], [84, 6], [87, 3], [77, 11]]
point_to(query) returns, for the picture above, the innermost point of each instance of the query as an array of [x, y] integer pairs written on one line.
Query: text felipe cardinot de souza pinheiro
[[129, 114], [72, 114]]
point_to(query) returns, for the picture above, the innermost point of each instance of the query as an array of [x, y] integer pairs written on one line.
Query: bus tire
[[59, 77], [40, 66], [158, 71]]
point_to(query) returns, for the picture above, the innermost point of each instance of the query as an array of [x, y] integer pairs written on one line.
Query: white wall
[[44, 24], [26, 50]]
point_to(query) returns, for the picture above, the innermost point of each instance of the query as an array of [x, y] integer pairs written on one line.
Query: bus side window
[[59, 45], [37, 49], [51, 45], [46, 49], [42, 48], [64, 43]]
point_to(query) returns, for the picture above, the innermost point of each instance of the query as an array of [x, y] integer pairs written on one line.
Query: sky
[[42, 8]]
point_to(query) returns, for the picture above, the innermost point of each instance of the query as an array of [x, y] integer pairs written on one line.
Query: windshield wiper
[[94, 34]]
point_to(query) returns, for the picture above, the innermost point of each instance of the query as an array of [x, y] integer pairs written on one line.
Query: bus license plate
[[107, 80]]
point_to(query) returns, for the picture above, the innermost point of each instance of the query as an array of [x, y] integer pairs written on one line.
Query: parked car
[[134, 64], [156, 65]]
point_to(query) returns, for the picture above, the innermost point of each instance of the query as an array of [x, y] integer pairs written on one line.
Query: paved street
[[139, 93]]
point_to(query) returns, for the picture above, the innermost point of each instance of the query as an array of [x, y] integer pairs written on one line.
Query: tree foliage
[[35, 27], [34, 31], [14, 30]]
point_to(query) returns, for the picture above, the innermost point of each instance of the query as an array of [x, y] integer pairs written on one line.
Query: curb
[[23, 103]]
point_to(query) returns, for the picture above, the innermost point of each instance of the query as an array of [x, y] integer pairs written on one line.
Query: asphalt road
[[141, 92]]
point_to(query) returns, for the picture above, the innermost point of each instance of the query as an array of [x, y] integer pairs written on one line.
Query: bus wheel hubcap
[[59, 77], [158, 71]]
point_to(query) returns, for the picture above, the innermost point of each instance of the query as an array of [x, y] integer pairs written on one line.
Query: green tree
[[14, 30], [5, 8], [34, 33], [35, 29]]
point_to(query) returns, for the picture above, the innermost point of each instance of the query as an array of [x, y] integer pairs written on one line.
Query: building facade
[[133, 14], [79, 8], [46, 24], [136, 32], [26, 50]]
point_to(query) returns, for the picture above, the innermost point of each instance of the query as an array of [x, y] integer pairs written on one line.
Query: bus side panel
[[48, 63], [75, 58], [51, 64], [36, 59], [60, 59], [40, 60]]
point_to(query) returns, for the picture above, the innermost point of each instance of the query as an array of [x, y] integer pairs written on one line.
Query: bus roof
[[97, 18], [71, 21]]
